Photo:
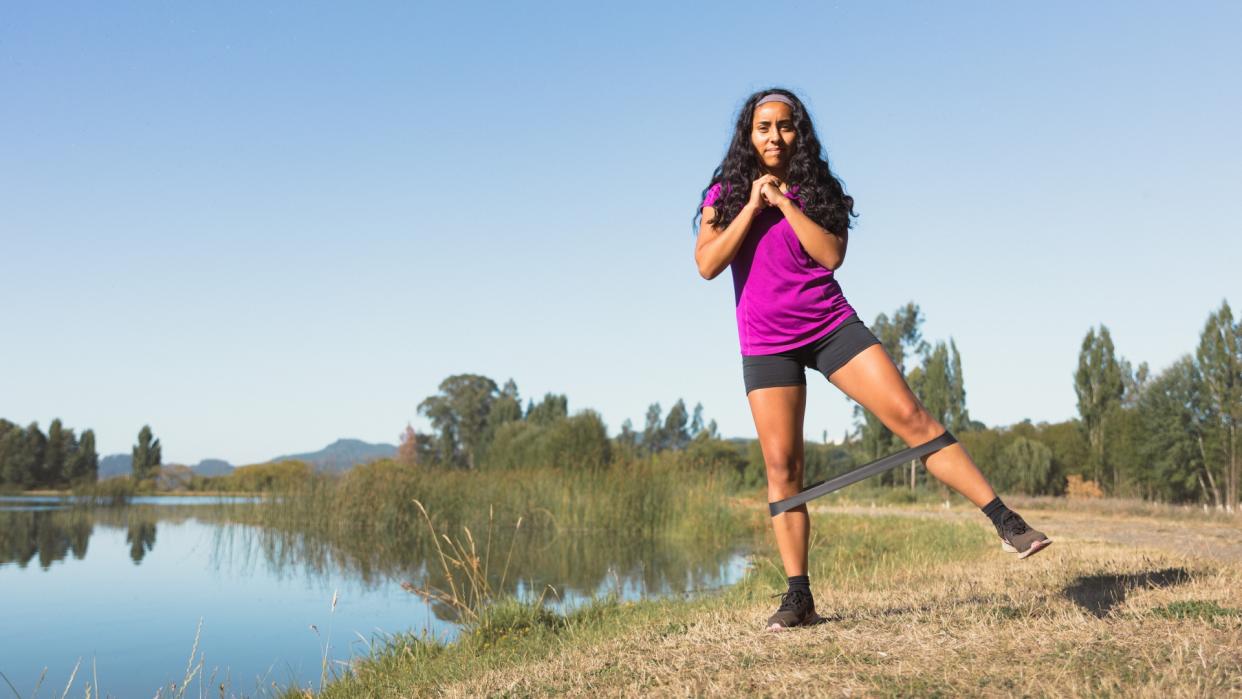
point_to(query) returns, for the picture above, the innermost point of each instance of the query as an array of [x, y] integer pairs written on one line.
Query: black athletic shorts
[[826, 355]]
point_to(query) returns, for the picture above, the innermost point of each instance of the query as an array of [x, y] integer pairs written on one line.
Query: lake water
[[125, 589]]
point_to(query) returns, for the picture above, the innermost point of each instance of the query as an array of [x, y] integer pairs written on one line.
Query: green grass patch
[[1194, 609]]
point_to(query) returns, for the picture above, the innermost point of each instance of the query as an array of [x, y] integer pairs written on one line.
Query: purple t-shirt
[[785, 299]]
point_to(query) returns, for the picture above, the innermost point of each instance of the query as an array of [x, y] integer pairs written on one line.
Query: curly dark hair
[[823, 198]]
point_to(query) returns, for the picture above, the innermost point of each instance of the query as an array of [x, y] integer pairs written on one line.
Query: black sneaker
[[797, 609], [1017, 537]]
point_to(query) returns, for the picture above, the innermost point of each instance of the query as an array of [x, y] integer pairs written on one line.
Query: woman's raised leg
[[778, 412], [872, 379]]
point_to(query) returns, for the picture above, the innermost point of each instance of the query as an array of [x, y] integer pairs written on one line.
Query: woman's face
[[772, 133]]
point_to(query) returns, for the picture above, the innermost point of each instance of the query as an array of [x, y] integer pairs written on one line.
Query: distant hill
[[338, 456], [115, 465], [212, 467], [342, 455]]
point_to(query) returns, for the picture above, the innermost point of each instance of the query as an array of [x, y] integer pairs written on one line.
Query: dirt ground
[[1221, 540]]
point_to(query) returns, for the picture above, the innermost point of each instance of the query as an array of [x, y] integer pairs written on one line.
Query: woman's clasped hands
[[765, 192]]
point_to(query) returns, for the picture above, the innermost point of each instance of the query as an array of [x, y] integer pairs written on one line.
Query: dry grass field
[[1130, 600]]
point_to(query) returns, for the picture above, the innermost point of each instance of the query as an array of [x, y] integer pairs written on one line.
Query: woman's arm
[[825, 247], [715, 248]]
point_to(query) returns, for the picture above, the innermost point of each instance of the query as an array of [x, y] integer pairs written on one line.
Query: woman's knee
[[915, 424], [783, 468]]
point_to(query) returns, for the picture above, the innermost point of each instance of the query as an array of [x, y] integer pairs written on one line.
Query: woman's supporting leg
[[778, 412], [871, 379]]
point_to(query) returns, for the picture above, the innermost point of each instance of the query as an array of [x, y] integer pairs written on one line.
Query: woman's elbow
[[707, 270]]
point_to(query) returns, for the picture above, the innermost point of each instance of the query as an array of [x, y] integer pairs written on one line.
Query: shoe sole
[[1035, 546]]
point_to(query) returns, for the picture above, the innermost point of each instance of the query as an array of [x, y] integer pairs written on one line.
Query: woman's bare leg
[[871, 379], [778, 412]]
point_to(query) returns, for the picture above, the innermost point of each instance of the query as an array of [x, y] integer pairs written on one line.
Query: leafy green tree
[[553, 407], [1220, 362], [1169, 448], [459, 414], [1099, 387], [506, 408], [1069, 452], [580, 442], [1134, 381], [901, 337], [939, 385], [146, 455], [625, 446], [577, 442], [1029, 462]]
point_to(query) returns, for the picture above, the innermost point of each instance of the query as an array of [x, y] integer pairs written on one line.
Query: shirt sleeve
[[712, 195]]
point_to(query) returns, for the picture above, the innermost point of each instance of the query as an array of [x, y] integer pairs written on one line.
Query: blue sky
[[262, 227]]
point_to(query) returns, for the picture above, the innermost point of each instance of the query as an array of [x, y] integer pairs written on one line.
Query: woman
[[775, 213]]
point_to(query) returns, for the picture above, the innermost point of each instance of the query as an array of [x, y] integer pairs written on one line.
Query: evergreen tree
[[7, 447], [653, 434], [85, 462], [675, 435], [696, 422], [71, 447], [1220, 363], [958, 417], [146, 455], [36, 446], [627, 440], [17, 465], [55, 455], [1099, 387]]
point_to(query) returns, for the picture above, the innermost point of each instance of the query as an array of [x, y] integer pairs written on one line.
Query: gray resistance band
[[866, 471]]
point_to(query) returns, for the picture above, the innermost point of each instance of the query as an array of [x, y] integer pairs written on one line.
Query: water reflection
[[49, 534], [522, 562], [103, 591]]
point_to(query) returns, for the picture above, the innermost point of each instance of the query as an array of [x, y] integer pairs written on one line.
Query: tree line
[[31, 459], [1170, 436], [61, 459], [478, 424]]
